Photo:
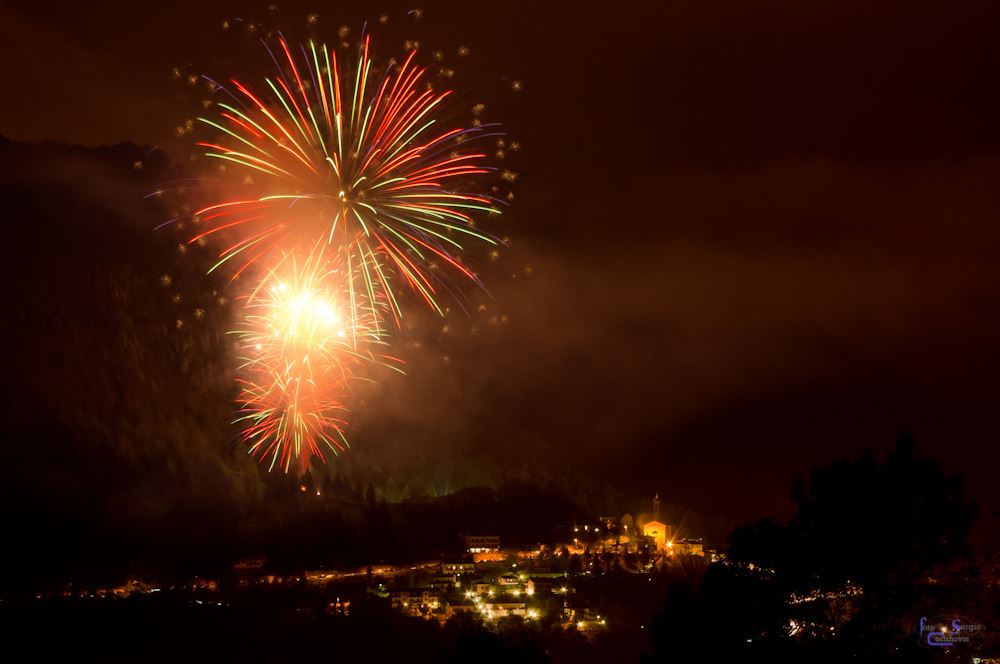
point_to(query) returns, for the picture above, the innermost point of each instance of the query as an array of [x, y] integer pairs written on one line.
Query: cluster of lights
[[486, 608]]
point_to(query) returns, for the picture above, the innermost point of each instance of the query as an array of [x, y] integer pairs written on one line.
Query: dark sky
[[761, 235]]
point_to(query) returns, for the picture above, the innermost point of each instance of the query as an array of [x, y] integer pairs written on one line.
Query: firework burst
[[353, 158]]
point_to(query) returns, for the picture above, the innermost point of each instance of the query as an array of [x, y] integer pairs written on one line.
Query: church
[[656, 530]]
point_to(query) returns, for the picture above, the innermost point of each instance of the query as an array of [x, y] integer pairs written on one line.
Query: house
[[482, 543], [458, 567]]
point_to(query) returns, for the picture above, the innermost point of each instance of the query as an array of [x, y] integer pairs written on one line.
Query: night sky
[[747, 238]]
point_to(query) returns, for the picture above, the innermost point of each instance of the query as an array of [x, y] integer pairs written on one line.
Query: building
[[489, 557], [415, 598], [689, 547], [443, 582], [340, 607], [463, 567], [502, 609], [462, 606], [320, 577], [249, 564], [657, 531], [482, 543], [508, 579], [713, 554]]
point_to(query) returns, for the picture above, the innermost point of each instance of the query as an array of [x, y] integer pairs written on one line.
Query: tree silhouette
[[869, 549]]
